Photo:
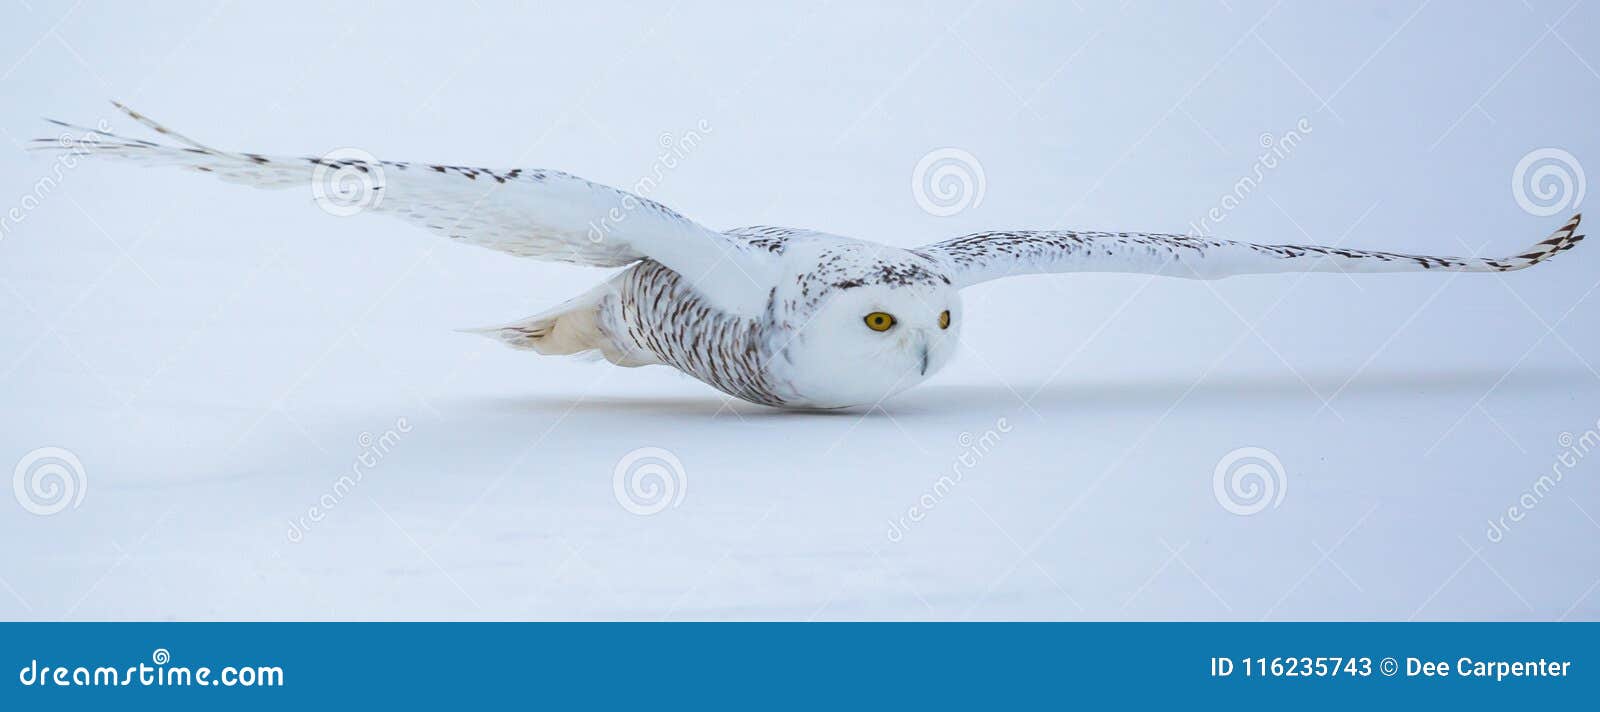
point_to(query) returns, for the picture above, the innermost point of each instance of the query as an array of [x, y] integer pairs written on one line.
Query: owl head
[[876, 322]]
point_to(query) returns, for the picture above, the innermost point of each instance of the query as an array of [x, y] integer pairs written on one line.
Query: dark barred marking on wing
[[991, 255], [762, 237], [540, 213]]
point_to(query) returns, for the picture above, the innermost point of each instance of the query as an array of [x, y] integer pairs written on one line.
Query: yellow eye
[[879, 321], [944, 319]]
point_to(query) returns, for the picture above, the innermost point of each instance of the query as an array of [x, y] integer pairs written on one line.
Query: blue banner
[[745, 666]]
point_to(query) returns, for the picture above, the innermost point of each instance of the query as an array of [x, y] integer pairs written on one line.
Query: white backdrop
[[216, 358]]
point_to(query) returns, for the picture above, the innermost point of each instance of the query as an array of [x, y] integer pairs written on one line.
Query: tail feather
[[572, 329], [537, 333]]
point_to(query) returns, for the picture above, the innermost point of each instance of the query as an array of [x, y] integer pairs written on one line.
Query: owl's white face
[[867, 343]]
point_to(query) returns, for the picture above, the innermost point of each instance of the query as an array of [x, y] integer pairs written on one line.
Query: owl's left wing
[[991, 255]]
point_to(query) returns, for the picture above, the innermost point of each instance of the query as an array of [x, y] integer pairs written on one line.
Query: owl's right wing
[[537, 213], [991, 255]]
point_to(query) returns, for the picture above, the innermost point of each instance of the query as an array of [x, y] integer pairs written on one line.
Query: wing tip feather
[[1563, 239]]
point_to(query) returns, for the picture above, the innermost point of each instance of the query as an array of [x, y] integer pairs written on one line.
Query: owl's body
[[776, 316], [781, 356]]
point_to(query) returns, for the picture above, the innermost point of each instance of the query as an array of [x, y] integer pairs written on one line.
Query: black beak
[[924, 371]]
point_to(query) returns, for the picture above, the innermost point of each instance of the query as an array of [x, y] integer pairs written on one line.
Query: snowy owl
[[778, 316]]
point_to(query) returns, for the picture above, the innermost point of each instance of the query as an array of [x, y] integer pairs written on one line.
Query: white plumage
[[777, 316]]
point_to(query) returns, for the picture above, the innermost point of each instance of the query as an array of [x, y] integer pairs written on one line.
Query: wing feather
[[991, 255], [538, 213]]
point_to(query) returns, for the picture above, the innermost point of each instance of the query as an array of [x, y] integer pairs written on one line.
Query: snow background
[[213, 354]]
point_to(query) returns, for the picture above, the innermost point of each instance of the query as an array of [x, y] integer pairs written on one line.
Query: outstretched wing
[[992, 255], [538, 213]]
